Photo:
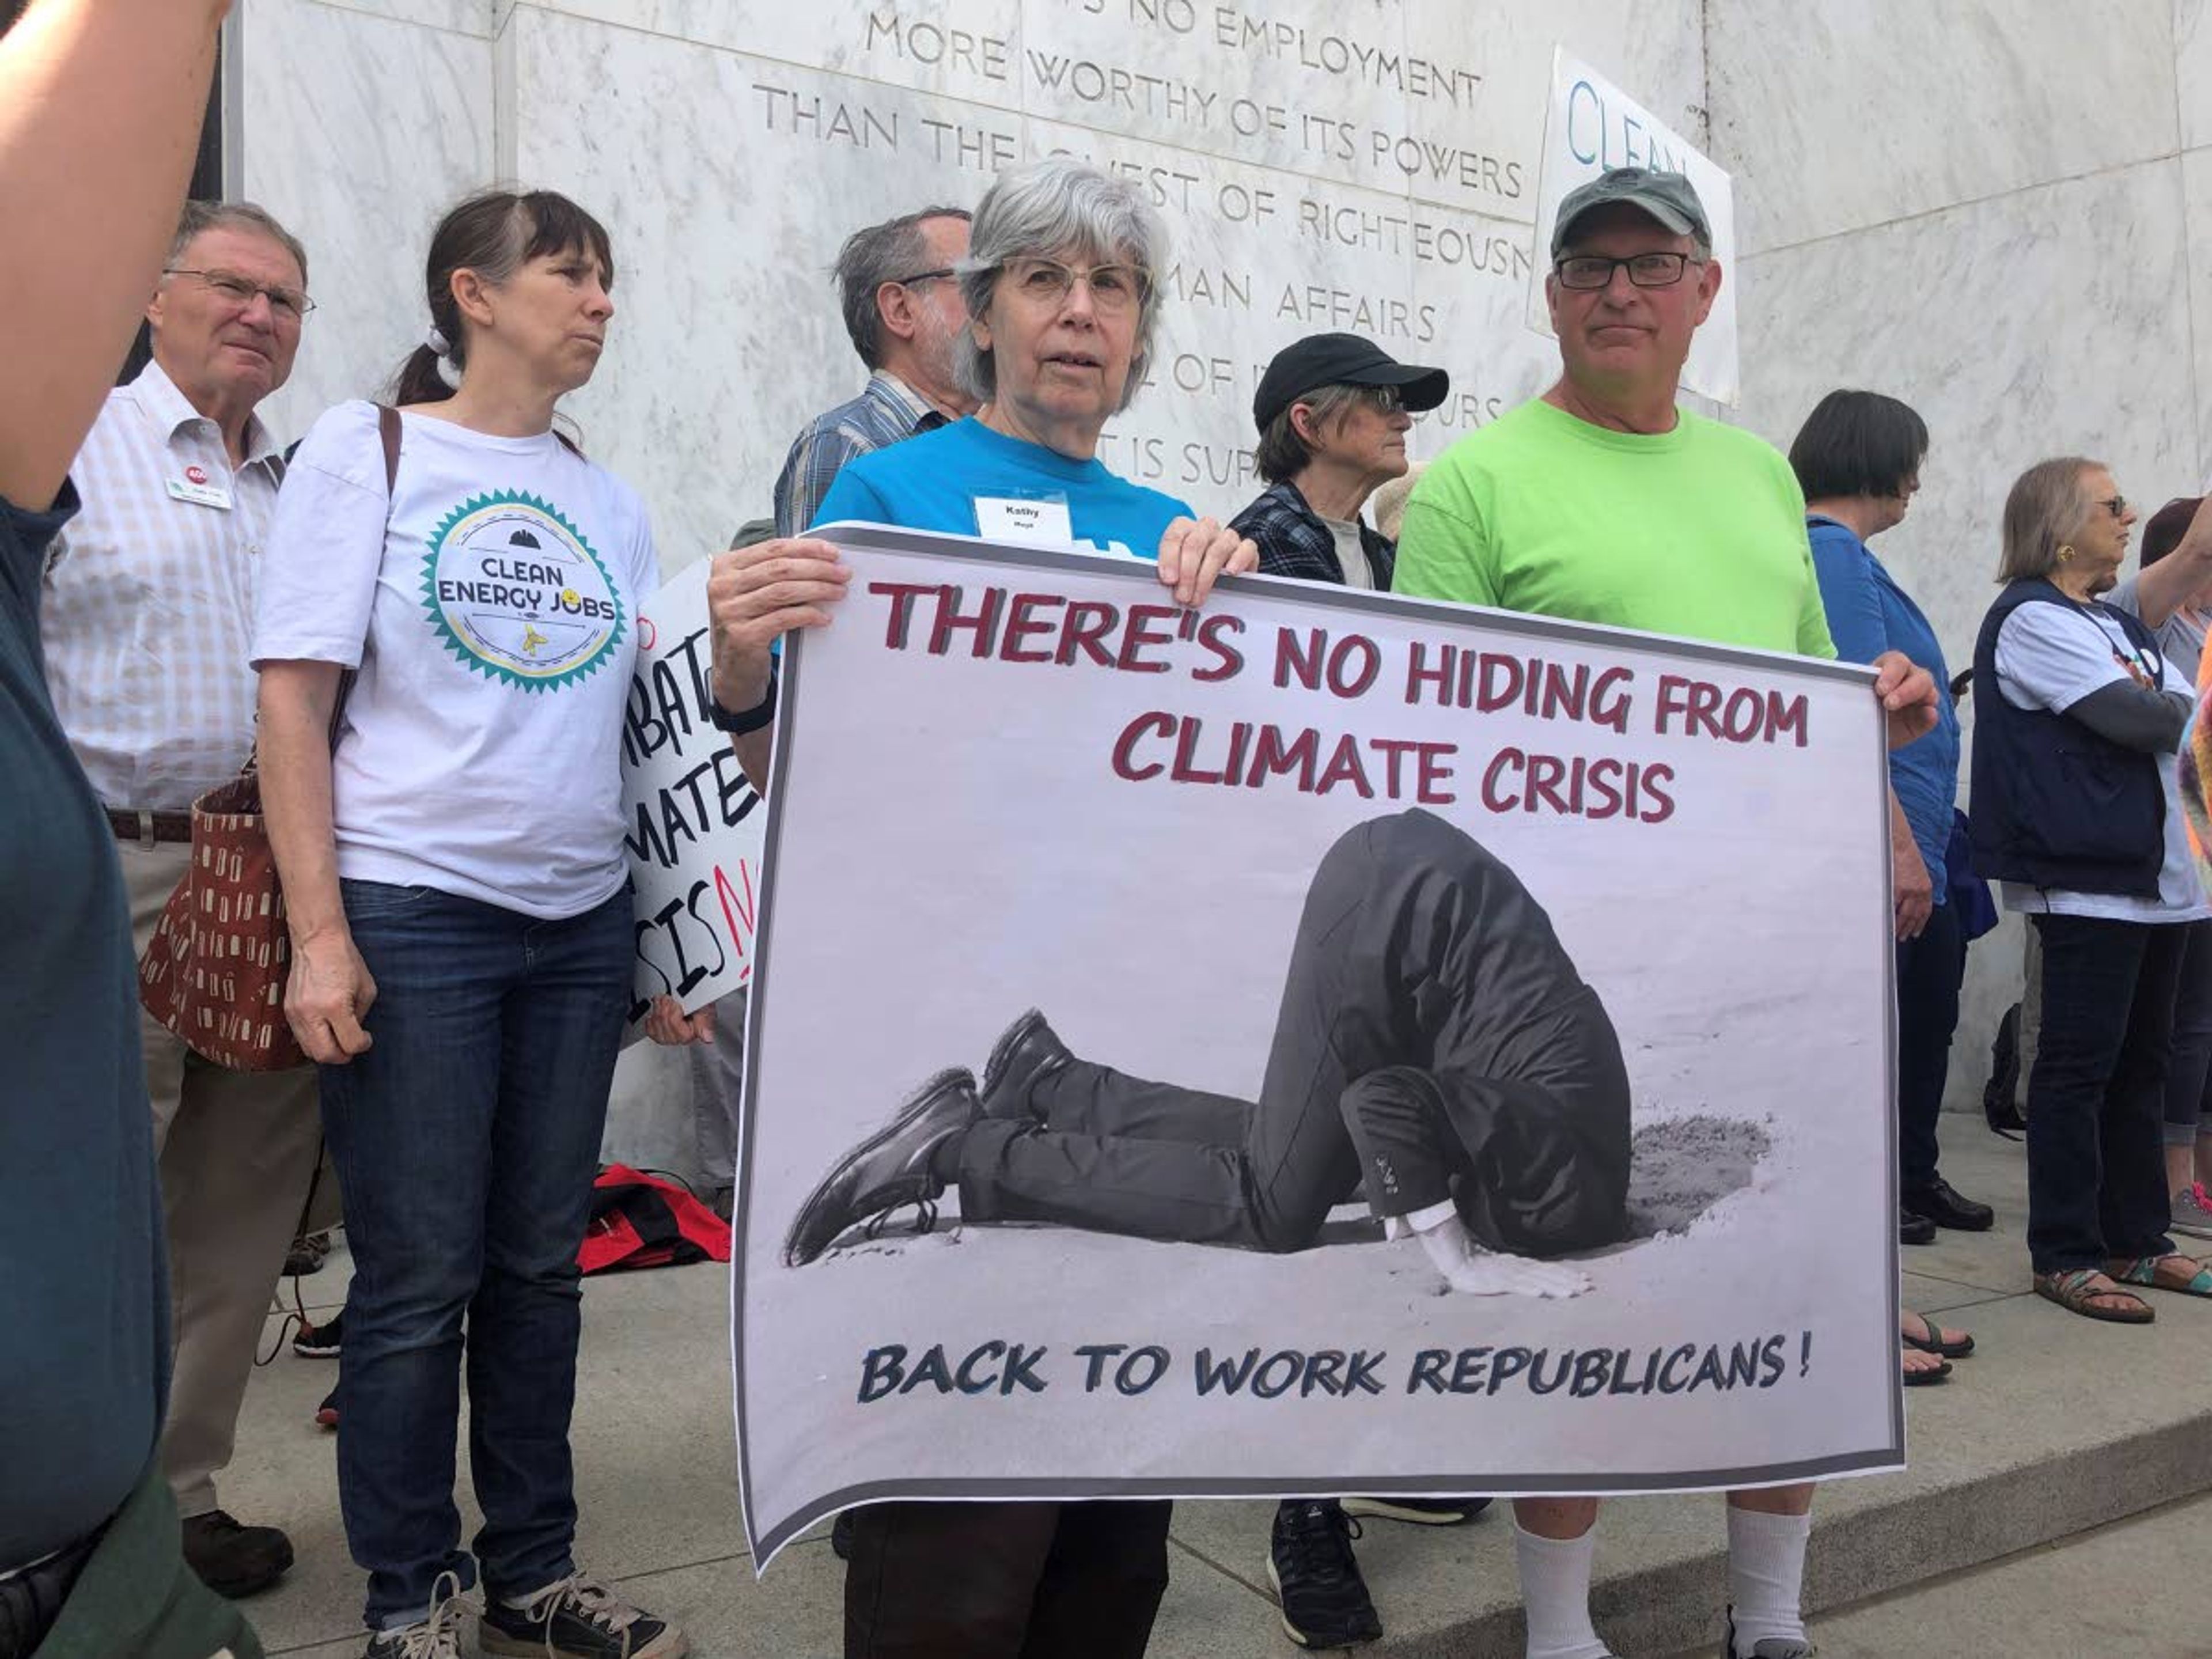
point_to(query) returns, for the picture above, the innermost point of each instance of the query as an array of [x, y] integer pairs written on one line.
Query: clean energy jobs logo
[[517, 592]]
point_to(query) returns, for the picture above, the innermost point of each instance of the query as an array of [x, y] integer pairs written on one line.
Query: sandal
[[1926, 1374], [2074, 1291], [2188, 1277], [1931, 1341]]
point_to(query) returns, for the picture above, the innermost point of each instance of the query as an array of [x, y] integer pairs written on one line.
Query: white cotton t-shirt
[[493, 618], [1351, 553], [2051, 656]]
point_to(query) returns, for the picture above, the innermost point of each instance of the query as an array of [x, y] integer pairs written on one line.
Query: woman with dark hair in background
[[458, 901], [2078, 714], [1857, 457]]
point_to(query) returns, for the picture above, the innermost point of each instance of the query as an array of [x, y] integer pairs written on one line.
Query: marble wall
[[1989, 209], [1998, 209]]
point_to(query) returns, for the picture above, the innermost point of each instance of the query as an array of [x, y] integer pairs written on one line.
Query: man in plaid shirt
[[1332, 412], [897, 283]]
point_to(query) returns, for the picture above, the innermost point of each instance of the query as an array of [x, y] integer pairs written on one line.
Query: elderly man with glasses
[[898, 285], [1602, 500], [147, 608]]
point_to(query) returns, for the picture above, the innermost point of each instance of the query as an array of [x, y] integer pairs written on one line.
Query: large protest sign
[[692, 822], [1596, 925], [1593, 125]]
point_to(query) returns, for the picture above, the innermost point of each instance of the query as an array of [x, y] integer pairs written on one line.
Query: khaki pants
[[237, 1149]]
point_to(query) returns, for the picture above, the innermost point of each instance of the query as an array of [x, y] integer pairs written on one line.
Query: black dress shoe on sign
[[1940, 1204], [1026, 1053], [1914, 1228], [889, 1170], [231, 1559]]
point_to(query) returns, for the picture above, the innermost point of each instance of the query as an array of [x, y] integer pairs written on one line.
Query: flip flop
[[2144, 1270], [1935, 1373], [1933, 1342]]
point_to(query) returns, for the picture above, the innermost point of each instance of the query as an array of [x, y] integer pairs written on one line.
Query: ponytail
[[418, 381]]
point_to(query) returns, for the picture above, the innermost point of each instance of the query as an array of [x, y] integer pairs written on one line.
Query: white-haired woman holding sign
[[1063, 301]]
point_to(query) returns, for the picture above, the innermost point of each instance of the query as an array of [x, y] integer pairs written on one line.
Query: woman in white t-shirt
[[458, 901]]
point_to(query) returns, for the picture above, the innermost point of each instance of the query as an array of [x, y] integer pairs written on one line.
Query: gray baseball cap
[[1669, 197]]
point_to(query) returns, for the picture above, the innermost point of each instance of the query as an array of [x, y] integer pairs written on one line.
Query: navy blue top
[[1868, 613], [84, 1337]]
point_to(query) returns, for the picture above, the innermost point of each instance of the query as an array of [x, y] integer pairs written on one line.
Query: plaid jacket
[[886, 411], [1294, 541]]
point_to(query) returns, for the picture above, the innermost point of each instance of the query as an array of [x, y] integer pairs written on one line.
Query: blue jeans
[[465, 1141]]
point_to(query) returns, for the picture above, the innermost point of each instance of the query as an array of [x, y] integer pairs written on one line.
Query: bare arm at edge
[[101, 105]]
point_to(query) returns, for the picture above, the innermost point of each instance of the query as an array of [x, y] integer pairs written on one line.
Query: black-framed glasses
[[1382, 399], [1595, 270], [290, 303], [1115, 289], [922, 277], [2116, 505]]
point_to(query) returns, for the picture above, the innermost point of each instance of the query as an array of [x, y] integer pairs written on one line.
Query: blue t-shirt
[[933, 481], [84, 1295], [1868, 613]]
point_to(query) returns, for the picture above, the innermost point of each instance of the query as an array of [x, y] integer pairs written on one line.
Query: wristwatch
[[750, 720]]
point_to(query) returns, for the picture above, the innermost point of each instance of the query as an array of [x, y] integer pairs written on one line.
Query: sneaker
[[326, 1414], [578, 1618], [1316, 1578], [318, 1341], [2192, 1212], [307, 1253], [437, 1636], [231, 1559], [1420, 1511]]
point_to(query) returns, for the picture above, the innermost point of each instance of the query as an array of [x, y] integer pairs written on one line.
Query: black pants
[[1005, 1581], [1433, 1036], [1928, 970], [2187, 1080], [2096, 1165]]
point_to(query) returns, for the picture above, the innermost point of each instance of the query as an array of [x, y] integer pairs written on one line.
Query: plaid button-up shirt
[[887, 410], [146, 615], [1293, 541]]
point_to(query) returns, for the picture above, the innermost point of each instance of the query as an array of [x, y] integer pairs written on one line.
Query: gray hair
[[888, 252], [1282, 452], [2048, 506], [1041, 211], [199, 216]]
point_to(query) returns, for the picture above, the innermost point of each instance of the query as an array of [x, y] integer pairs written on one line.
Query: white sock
[[1555, 1575], [1767, 1576]]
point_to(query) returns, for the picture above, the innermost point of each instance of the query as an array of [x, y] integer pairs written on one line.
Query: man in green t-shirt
[[1603, 501]]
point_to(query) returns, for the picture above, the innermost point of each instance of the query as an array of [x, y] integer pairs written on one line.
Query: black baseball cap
[[1669, 197], [1320, 360]]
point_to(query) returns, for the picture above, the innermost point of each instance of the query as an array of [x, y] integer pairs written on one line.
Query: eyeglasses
[[2116, 505], [1595, 270], [1382, 399], [289, 304], [922, 277], [1115, 289]]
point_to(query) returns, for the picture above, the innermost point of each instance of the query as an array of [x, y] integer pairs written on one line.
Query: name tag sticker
[[199, 489], [1034, 523]]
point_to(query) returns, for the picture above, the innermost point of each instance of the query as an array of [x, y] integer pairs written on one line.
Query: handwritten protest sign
[[693, 822], [1592, 126], [1194, 942]]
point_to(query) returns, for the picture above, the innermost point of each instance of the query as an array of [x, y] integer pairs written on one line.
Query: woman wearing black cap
[[1332, 412]]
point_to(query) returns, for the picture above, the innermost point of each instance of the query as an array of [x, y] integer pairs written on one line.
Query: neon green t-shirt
[[1699, 532]]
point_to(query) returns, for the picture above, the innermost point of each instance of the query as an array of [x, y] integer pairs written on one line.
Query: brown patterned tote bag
[[214, 972]]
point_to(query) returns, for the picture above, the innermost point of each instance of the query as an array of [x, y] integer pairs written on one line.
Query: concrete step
[[2056, 1425]]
